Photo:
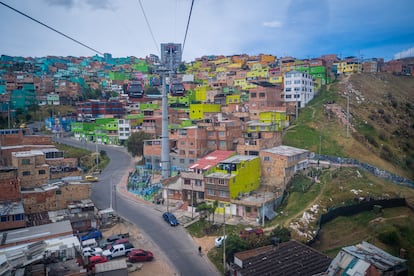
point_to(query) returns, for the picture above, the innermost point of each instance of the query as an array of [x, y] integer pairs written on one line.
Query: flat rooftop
[[42, 231], [285, 151]]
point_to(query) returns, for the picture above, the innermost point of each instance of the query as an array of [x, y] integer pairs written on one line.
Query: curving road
[[175, 242]]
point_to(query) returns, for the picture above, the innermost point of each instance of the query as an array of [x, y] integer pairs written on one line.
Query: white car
[[89, 251], [220, 240]]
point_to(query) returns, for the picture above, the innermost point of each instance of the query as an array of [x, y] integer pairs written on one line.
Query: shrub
[[389, 237]]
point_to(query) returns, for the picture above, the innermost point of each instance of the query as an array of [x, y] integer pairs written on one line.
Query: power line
[[188, 23], [149, 27], [47, 26]]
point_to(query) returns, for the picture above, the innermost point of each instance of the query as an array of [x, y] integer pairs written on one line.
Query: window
[[182, 161], [222, 144], [42, 172], [211, 143], [191, 152], [221, 134], [198, 182], [288, 96], [262, 95], [297, 81], [288, 89], [182, 143], [211, 192], [266, 158], [26, 173], [297, 88], [221, 181], [253, 95], [182, 152], [25, 161], [223, 194], [288, 82], [4, 218], [187, 181], [210, 133], [248, 209]]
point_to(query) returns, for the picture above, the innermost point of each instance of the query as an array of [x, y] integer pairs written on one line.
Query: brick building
[[9, 184], [279, 165], [31, 167], [54, 197]]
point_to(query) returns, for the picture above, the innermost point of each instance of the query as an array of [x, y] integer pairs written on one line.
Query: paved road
[[175, 242]]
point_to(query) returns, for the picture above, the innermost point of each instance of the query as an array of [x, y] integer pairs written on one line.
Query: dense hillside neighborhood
[[227, 116]]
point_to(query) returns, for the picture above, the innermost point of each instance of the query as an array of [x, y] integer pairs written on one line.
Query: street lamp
[[192, 199], [224, 240]]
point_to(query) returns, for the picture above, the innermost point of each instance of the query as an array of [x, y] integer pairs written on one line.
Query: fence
[[367, 167], [355, 209]]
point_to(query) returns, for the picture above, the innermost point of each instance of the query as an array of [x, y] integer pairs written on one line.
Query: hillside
[[381, 114]]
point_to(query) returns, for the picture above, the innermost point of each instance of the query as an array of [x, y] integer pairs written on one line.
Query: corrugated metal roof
[[211, 160], [286, 150]]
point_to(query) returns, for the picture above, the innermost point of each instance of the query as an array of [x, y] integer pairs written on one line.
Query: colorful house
[[237, 175]]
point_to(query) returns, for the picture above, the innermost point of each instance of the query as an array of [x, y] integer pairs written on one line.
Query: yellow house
[[231, 178], [230, 99], [201, 93], [346, 67], [240, 82], [197, 110], [276, 79], [224, 60], [277, 120]]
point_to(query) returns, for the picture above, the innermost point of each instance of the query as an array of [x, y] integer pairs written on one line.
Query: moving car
[[91, 178], [89, 251], [140, 255], [170, 218], [219, 240]]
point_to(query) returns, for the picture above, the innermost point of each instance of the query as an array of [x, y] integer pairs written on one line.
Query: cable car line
[[47, 26]]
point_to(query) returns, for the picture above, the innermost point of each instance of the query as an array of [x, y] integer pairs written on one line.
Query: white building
[[124, 129], [299, 88]]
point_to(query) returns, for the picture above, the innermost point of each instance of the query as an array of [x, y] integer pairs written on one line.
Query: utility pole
[[347, 115], [263, 209], [8, 115], [97, 155], [110, 194], [224, 241], [192, 200]]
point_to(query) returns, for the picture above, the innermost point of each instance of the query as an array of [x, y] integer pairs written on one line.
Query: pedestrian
[[199, 250]]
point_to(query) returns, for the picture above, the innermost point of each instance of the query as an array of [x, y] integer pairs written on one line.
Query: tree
[[135, 143], [205, 209], [282, 233], [234, 244], [214, 208]]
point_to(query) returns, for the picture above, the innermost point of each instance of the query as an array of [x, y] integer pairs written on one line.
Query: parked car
[[92, 234], [118, 250], [219, 240], [251, 232], [107, 245], [95, 260], [170, 218], [89, 251], [140, 255], [114, 238], [89, 243]]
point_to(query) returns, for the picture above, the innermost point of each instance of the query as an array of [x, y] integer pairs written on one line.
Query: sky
[[297, 28]]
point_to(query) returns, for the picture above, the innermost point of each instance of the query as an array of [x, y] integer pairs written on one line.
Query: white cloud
[[406, 53], [272, 24]]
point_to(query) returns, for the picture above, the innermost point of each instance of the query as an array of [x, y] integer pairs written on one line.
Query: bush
[[389, 237]]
